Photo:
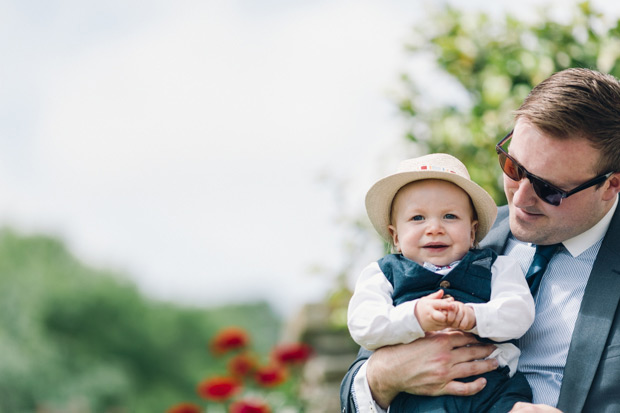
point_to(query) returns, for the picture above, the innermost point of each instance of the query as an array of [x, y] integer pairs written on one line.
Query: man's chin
[[525, 231]]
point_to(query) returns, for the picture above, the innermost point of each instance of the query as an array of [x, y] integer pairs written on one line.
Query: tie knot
[[546, 251], [539, 264]]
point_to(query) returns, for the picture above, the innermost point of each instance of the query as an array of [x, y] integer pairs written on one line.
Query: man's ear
[[612, 187], [394, 235]]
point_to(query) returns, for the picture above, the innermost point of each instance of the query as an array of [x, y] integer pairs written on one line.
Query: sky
[[206, 149]]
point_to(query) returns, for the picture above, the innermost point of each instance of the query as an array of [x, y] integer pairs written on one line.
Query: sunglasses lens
[[512, 170], [515, 172], [545, 192]]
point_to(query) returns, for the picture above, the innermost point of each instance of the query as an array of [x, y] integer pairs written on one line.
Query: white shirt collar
[[585, 240]]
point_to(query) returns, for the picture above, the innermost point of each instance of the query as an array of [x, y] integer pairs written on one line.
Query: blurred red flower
[[242, 364], [228, 339], [270, 375], [249, 406], [218, 389], [185, 408], [290, 354]]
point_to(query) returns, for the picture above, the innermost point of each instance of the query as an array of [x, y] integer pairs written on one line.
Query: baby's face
[[432, 221]]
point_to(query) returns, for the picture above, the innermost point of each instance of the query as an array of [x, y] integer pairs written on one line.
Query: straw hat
[[434, 166]]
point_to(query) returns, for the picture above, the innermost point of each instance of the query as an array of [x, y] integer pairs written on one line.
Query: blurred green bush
[[74, 338]]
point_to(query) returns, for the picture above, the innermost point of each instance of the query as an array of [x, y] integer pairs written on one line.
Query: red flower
[[242, 364], [270, 375], [289, 354], [185, 408], [231, 338], [218, 389], [250, 406]]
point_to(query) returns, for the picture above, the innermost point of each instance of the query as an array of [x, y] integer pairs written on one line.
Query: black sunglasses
[[549, 193]]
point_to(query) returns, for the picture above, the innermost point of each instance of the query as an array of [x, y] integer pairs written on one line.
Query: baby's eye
[[450, 216], [417, 218]]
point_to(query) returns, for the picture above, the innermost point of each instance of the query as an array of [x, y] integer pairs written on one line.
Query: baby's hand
[[463, 317], [433, 312]]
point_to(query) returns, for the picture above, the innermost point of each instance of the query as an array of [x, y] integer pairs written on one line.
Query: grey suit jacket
[[592, 375]]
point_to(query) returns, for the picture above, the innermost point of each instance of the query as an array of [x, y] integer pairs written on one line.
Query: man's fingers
[[471, 353], [472, 368], [528, 407], [457, 388], [454, 339]]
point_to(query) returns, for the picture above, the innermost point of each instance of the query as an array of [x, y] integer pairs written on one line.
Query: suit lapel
[[596, 316], [498, 235]]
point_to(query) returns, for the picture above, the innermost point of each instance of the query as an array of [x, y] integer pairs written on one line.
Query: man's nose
[[523, 193]]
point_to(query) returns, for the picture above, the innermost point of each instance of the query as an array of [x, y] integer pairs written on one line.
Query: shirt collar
[[585, 240], [434, 268]]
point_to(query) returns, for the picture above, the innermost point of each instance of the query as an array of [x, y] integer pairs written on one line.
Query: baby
[[434, 216]]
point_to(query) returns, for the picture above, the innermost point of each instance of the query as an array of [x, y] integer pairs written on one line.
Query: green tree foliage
[[497, 61], [73, 338]]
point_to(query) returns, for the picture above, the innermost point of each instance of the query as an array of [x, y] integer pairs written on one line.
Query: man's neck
[[585, 240]]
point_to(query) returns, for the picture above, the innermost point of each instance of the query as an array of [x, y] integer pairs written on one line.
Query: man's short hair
[[579, 103]]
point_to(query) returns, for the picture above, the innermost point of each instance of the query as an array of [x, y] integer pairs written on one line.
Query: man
[[561, 177]]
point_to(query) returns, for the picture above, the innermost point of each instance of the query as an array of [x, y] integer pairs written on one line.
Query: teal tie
[[539, 265]]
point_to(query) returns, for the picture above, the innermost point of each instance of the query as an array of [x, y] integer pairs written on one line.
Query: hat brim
[[381, 195]]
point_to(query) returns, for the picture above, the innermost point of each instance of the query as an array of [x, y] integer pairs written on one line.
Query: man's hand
[[429, 366], [521, 407]]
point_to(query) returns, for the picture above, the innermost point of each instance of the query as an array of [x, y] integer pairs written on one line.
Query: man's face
[[565, 163]]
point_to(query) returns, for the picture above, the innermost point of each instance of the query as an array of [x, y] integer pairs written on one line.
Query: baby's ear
[[474, 228], [394, 235]]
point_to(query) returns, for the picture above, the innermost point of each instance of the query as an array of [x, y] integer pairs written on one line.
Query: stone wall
[[334, 351]]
